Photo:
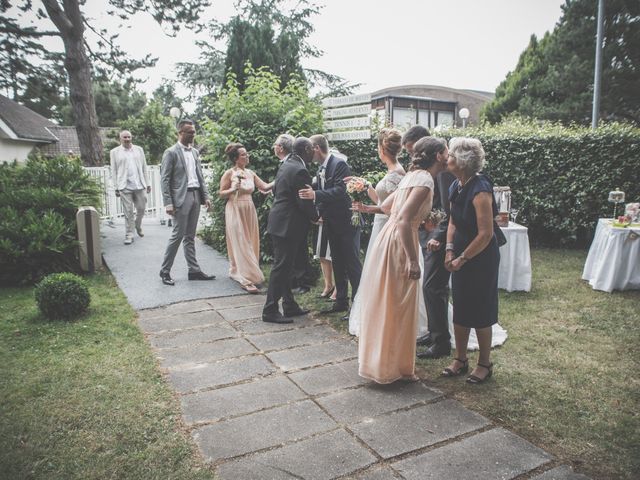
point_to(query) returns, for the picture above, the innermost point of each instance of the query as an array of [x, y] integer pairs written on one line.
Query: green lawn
[[85, 400], [567, 379]]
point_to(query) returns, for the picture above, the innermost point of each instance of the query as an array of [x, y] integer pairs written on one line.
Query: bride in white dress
[[389, 147]]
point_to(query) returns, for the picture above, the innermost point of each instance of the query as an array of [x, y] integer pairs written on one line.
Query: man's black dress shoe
[[300, 290], [275, 318], [336, 307], [345, 318], [435, 351], [166, 279], [296, 312], [425, 340], [200, 276]]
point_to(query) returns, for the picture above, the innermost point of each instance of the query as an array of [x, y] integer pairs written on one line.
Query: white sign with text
[[349, 135]]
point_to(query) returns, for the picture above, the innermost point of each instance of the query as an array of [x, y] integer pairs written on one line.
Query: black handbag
[[497, 231]]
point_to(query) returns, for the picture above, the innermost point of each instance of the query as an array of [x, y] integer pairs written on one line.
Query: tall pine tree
[[553, 79]]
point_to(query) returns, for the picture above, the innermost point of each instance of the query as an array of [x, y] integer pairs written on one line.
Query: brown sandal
[[250, 288], [448, 372]]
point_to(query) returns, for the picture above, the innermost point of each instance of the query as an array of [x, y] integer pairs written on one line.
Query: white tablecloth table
[[515, 259], [613, 262]]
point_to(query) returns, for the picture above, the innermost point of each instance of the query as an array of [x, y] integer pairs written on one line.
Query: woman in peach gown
[[243, 239], [391, 274]]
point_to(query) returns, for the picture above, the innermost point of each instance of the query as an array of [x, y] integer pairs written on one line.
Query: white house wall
[[11, 150]]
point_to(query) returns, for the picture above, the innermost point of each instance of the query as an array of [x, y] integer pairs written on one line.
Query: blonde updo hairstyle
[[390, 141], [233, 151], [468, 153], [425, 152]]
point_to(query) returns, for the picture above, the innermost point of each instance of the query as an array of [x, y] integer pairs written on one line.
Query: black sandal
[[448, 372], [475, 380], [328, 294]]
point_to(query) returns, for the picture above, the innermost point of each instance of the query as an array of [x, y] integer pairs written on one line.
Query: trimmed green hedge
[[560, 177], [38, 204]]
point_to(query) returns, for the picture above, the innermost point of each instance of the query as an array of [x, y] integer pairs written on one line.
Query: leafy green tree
[[255, 117], [80, 62], [152, 130], [553, 79]]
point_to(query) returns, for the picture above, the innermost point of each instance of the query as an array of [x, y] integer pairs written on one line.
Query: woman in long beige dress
[[242, 235], [390, 277]]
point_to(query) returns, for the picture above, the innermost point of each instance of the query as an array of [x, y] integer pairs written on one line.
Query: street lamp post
[[464, 114], [175, 113]]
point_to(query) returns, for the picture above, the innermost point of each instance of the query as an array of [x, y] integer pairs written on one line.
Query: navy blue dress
[[475, 285]]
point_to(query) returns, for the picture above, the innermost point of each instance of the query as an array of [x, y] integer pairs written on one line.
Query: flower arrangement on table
[[357, 189]]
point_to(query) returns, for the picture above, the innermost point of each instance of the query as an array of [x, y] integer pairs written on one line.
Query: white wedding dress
[[384, 188]]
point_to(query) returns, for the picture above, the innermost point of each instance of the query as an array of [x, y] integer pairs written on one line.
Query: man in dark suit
[[288, 223], [334, 205]]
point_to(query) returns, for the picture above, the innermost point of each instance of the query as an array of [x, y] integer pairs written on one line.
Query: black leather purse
[[497, 231]]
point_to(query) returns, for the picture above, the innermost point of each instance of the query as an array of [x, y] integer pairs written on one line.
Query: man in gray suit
[[183, 191]]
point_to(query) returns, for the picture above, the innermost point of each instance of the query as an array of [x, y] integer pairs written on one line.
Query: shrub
[[62, 296], [254, 117], [38, 204], [559, 176]]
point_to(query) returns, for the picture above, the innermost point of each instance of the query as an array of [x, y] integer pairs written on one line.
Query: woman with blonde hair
[[241, 220]]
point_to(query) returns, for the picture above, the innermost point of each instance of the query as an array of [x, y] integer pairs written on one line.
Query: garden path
[[266, 401]]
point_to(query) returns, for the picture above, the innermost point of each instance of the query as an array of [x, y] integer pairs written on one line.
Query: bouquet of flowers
[[238, 177], [434, 218], [357, 189]]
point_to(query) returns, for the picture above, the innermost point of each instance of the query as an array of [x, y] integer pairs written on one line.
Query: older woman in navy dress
[[473, 257]]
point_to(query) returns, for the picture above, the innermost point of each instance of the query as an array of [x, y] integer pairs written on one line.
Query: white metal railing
[[111, 205]]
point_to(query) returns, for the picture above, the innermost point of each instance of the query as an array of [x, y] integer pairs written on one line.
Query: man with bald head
[[288, 224], [129, 177]]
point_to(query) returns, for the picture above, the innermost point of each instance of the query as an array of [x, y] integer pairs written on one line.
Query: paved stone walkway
[[265, 401]]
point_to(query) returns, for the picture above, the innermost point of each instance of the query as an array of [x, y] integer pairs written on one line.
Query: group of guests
[[402, 303]]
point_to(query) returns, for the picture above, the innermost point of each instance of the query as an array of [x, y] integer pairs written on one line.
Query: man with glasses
[[183, 191]]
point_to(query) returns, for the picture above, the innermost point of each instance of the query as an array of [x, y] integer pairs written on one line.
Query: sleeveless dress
[[384, 188], [474, 288], [243, 238], [390, 299]]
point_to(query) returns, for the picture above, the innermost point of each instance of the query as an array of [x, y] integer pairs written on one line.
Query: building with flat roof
[[428, 105]]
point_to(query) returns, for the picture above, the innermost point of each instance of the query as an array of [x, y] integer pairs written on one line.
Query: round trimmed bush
[[62, 296]]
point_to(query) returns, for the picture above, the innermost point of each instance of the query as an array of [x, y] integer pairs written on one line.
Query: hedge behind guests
[[559, 176], [38, 204]]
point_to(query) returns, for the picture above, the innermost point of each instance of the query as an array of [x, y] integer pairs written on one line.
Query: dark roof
[[68, 141], [26, 123]]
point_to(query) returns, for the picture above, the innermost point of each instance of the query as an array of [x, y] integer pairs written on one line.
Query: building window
[[404, 117], [444, 118]]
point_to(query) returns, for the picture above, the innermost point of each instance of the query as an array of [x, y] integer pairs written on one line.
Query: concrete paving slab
[[180, 321], [419, 427], [294, 338], [376, 473], [359, 404], [242, 313], [562, 472], [187, 307], [192, 336], [494, 454], [193, 355], [256, 325], [239, 399], [221, 373], [136, 267], [298, 358], [237, 301], [260, 430], [329, 378], [322, 457]]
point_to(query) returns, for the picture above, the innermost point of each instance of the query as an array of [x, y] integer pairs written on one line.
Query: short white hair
[[468, 153]]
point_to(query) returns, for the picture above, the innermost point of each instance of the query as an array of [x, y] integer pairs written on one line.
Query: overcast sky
[[469, 44]]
